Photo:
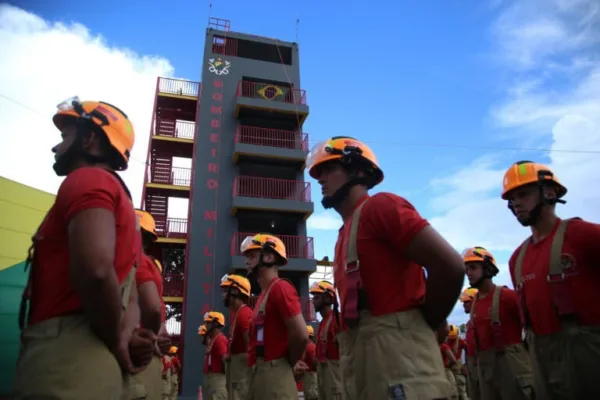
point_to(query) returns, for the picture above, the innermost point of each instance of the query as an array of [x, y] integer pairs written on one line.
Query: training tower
[[234, 147]]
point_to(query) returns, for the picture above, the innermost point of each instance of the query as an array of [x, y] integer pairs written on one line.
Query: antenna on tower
[[297, 28]]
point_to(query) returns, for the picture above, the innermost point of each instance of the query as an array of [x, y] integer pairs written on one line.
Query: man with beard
[[278, 335], [557, 276], [328, 354], [235, 292], [503, 365]]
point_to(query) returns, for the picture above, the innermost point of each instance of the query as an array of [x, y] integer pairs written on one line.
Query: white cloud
[[551, 52], [325, 221], [45, 62]]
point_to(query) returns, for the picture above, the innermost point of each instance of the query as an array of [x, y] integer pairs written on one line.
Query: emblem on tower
[[218, 66]]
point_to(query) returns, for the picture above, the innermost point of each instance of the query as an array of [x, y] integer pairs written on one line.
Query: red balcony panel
[[170, 175], [178, 87], [224, 45], [270, 188], [296, 246], [271, 137], [268, 91], [171, 227], [173, 285], [174, 128]]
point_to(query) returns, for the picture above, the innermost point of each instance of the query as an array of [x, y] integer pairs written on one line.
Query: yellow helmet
[[236, 281], [311, 331], [452, 331], [214, 316], [468, 294], [262, 241]]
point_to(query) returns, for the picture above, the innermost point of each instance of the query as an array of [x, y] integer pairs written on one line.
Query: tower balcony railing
[[271, 92], [271, 137], [173, 285], [168, 175], [167, 227], [174, 128], [178, 87], [295, 246], [271, 188]]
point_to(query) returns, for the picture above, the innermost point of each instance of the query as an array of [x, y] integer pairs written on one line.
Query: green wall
[[22, 209]]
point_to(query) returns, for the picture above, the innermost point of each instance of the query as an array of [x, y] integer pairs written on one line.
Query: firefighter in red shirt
[[80, 281], [504, 368], [458, 345], [448, 359], [235, 292], [556, 274], [175, 372], [466, 298], [309, 377], [328, 355], [148, 384], [215, 381], [278, 334], [382, 297]]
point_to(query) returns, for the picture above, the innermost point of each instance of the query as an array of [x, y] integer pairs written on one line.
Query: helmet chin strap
[[336, 199], [65, 162], [534, 215]]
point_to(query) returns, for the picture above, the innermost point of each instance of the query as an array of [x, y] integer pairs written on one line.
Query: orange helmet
[[479, 254], [468, 294], [147, 222], [239, 282], [526, 172], [158, 264], [322, 287], [202, 330], [452, 331], [311, 331], [112, 121], [262, 241], [173, 349], [214, 316], [348, 151]]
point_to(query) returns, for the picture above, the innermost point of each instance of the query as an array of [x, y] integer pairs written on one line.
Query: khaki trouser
[[310, 386], [148, 383], [395, 353], [473, 379], [505, 375], [566, 364], [61, 358], [450, 377], [166, 385], [174, 386], [215, 386], [237, 376], [329, 380], [272, 380], [461, 382]]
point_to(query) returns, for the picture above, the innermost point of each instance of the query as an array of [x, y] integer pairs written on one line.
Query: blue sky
[[447, 93]]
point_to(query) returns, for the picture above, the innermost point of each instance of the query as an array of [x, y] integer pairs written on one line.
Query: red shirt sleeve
[[219, 348], [587, 235], [144, 272], [285, 299], [87, 188], [244, 319], [393, 219]]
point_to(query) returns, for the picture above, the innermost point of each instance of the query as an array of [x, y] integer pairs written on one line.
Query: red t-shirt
[[83, 189], [205, 365], [580, 254], [217, 350], [283, 303], [175, 365], [457, 346], [149, 272], [332, 351], [388, 224], [243, 319], [443, 348], [166, 364], [470, 340], [510, 319], [310, 356]]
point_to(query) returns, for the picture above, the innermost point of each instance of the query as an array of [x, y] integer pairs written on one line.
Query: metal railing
[[271, 188], [178, 87], [174, 128], [171, 227], [271, 137], [170, 175], [295, 246], [271, 92]]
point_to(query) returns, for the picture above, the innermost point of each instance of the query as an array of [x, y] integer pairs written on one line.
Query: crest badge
[[218, 66]]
